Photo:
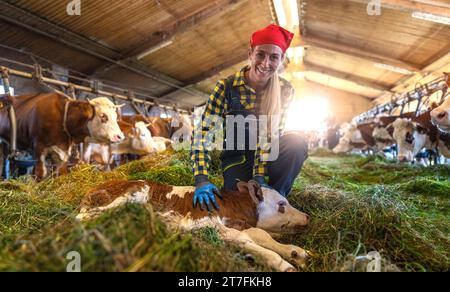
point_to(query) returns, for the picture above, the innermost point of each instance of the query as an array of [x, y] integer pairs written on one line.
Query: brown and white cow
[[178, 128], [414, 134], [138, 141], [49, 124], [158, 127], [351, 139], [245, 217], [440, 116]]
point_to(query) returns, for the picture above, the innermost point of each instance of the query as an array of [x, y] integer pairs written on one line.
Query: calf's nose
[[308, 218]]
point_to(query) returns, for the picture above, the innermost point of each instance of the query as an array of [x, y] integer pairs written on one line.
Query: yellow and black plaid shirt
[[217, 106]]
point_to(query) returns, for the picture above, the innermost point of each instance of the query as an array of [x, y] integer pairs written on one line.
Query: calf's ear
[[249, 188], [255, 190], [242, 187]]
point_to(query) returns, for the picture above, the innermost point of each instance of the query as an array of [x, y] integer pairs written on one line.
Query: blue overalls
[[237, 165]]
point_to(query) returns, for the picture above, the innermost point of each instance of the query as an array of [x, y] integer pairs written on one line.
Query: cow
[[374, 135], [413, 135], [176, 128], [158, 127], [440, 116], [246, 217], [138, 141], [351, 139], [50, 124]]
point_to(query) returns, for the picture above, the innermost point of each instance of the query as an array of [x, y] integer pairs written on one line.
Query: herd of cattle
[[411, 135], [50, 125]]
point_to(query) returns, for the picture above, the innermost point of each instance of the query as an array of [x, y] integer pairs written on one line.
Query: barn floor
[[357, 204]]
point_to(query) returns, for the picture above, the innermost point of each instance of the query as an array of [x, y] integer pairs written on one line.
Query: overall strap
[[232, 96]]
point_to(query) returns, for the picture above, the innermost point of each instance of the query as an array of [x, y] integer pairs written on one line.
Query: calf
[[244, 217]]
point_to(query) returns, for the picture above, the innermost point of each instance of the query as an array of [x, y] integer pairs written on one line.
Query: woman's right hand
[[205, 194]]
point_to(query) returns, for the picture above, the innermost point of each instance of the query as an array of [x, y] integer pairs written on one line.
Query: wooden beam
[[185, 23], [36, 24], [340, 89], [215, 9], [210, 73], [434, 69], [301, 5], [32, 22], [216, 69], [359, 53], [433, 7], [347, 76]]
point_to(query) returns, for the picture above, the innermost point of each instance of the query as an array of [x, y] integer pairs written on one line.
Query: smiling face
[[264, 62]]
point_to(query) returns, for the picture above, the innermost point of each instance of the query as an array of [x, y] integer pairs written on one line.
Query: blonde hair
[[271, 99]]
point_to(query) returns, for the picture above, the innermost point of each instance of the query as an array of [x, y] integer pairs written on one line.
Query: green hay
[[131, 238], [175, 175], [357, 205], [425, 186]]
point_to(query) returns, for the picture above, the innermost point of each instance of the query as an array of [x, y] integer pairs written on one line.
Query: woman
[[253, 91]]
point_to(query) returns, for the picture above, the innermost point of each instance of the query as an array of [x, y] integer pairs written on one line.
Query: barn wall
[[344, 105]]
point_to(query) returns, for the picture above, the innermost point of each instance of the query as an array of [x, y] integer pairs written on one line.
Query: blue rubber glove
[[205, 194], [261, 181]]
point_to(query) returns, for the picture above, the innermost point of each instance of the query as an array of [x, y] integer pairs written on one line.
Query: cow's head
[[410, 138], [103, 126], [440, 116], [141, 139], [275, 214]]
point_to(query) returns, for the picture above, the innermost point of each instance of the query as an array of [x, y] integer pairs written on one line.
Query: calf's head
[[275, 214]]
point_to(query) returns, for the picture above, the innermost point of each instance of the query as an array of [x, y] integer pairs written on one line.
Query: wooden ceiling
[[348, 45], [201, 41]]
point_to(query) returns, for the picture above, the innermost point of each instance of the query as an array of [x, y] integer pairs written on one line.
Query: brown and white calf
[[245, 217], [50, 124]]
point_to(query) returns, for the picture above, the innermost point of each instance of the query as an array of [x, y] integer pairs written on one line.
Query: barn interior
[[349, 61]]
